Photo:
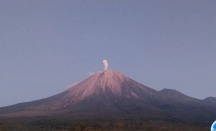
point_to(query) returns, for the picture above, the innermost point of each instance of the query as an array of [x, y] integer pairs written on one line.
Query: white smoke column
[[105, 64]]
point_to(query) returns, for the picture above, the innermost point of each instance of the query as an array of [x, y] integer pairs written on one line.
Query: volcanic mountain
[[111, 93]]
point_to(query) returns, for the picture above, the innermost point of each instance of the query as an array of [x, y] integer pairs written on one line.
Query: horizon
[[46, 46]]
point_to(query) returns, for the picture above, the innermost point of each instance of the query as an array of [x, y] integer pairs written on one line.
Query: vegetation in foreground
[[50, 124]]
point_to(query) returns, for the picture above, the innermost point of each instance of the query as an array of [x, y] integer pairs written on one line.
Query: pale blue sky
[[47, 45]]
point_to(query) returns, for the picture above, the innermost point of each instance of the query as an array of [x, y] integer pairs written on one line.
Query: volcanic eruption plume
[[105, 64]]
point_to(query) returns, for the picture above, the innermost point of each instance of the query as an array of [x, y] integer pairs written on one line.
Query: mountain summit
[[111, 93], [110, 84]]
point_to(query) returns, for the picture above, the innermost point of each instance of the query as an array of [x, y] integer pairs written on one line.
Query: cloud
[[91, 73]]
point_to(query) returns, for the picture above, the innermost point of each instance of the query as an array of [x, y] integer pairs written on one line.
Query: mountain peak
[[100, 81], [110, 72], [111, 75], [109, 84]]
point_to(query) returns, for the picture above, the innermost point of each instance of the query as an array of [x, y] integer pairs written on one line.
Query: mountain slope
[[111, 93], [178, 96], [210, 101]]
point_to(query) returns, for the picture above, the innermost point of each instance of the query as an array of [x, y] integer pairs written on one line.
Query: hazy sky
[[48, 45]]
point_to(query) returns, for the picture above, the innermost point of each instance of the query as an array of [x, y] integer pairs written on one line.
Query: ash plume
[[105, 64]]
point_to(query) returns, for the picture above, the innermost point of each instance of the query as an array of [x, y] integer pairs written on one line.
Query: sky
[[48, 46]]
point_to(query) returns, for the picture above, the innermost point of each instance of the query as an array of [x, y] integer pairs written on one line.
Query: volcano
[[112, 94]]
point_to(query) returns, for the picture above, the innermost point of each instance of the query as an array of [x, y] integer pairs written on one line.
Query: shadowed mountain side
[[180, 97], [210, 101], [37, 105], [173, 94], [189, 104], [111, 93]]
